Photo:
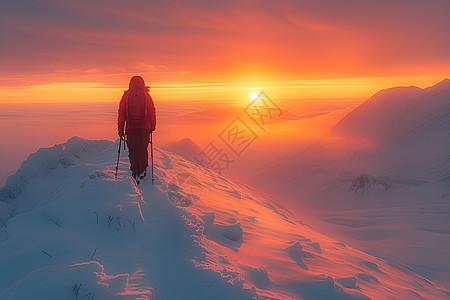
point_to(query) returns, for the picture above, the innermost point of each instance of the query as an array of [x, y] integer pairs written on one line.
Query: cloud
[[144, 67], [252, 63], [94, 70]]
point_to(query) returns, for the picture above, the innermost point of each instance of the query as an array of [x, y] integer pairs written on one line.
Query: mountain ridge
[[413, 130]]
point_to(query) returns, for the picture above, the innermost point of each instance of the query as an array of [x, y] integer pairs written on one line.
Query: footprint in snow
[[296, 252]]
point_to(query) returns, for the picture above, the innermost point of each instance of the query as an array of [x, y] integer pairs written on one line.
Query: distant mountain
[[185, 148], [400, 134], [394, 109], [405, 126], [217, 115]]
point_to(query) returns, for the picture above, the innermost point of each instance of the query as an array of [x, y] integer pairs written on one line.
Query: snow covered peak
[[38, 174], [443, 85], [185, 148], [381, 108], [193, 235], [394, 109]]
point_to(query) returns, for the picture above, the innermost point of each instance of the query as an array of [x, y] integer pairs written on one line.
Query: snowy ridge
[[36, 177], [194, 235]]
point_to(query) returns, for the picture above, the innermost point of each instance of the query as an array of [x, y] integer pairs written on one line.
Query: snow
[[192, 235], [38, 175]]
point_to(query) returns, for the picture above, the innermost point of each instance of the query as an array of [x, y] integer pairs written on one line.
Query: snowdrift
[[76, 232], [38, 175]]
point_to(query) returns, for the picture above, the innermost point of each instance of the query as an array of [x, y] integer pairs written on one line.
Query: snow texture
[[92, 236]]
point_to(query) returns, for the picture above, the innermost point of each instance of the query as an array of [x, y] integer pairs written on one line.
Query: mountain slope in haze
[[407, 125], [192, 235], [398, 140], [185, 148]]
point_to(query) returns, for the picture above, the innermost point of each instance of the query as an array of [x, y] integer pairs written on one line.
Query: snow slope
[[193, 235], [38, 175]]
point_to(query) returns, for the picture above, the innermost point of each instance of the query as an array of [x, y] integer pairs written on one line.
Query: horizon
[[340, 88]]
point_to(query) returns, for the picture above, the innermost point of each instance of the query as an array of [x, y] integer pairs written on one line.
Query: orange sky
[[86, 51]]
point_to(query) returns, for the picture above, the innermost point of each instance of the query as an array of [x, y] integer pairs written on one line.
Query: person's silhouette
[[136, 120]]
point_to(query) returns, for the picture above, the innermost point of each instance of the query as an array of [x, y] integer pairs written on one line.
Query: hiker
[[137, 116]]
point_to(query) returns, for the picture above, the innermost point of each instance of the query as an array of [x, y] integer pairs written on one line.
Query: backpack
[[137, 108]]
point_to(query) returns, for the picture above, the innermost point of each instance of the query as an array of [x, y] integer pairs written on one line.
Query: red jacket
[[150, 121]]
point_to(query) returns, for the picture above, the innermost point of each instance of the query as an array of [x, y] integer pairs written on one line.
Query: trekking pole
[[118, 156], [151, 142]]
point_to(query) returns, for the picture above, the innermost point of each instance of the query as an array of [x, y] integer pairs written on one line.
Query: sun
[[254, 95]]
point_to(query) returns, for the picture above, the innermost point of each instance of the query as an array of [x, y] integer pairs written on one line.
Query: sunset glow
[[87, 51], [183, 91]]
